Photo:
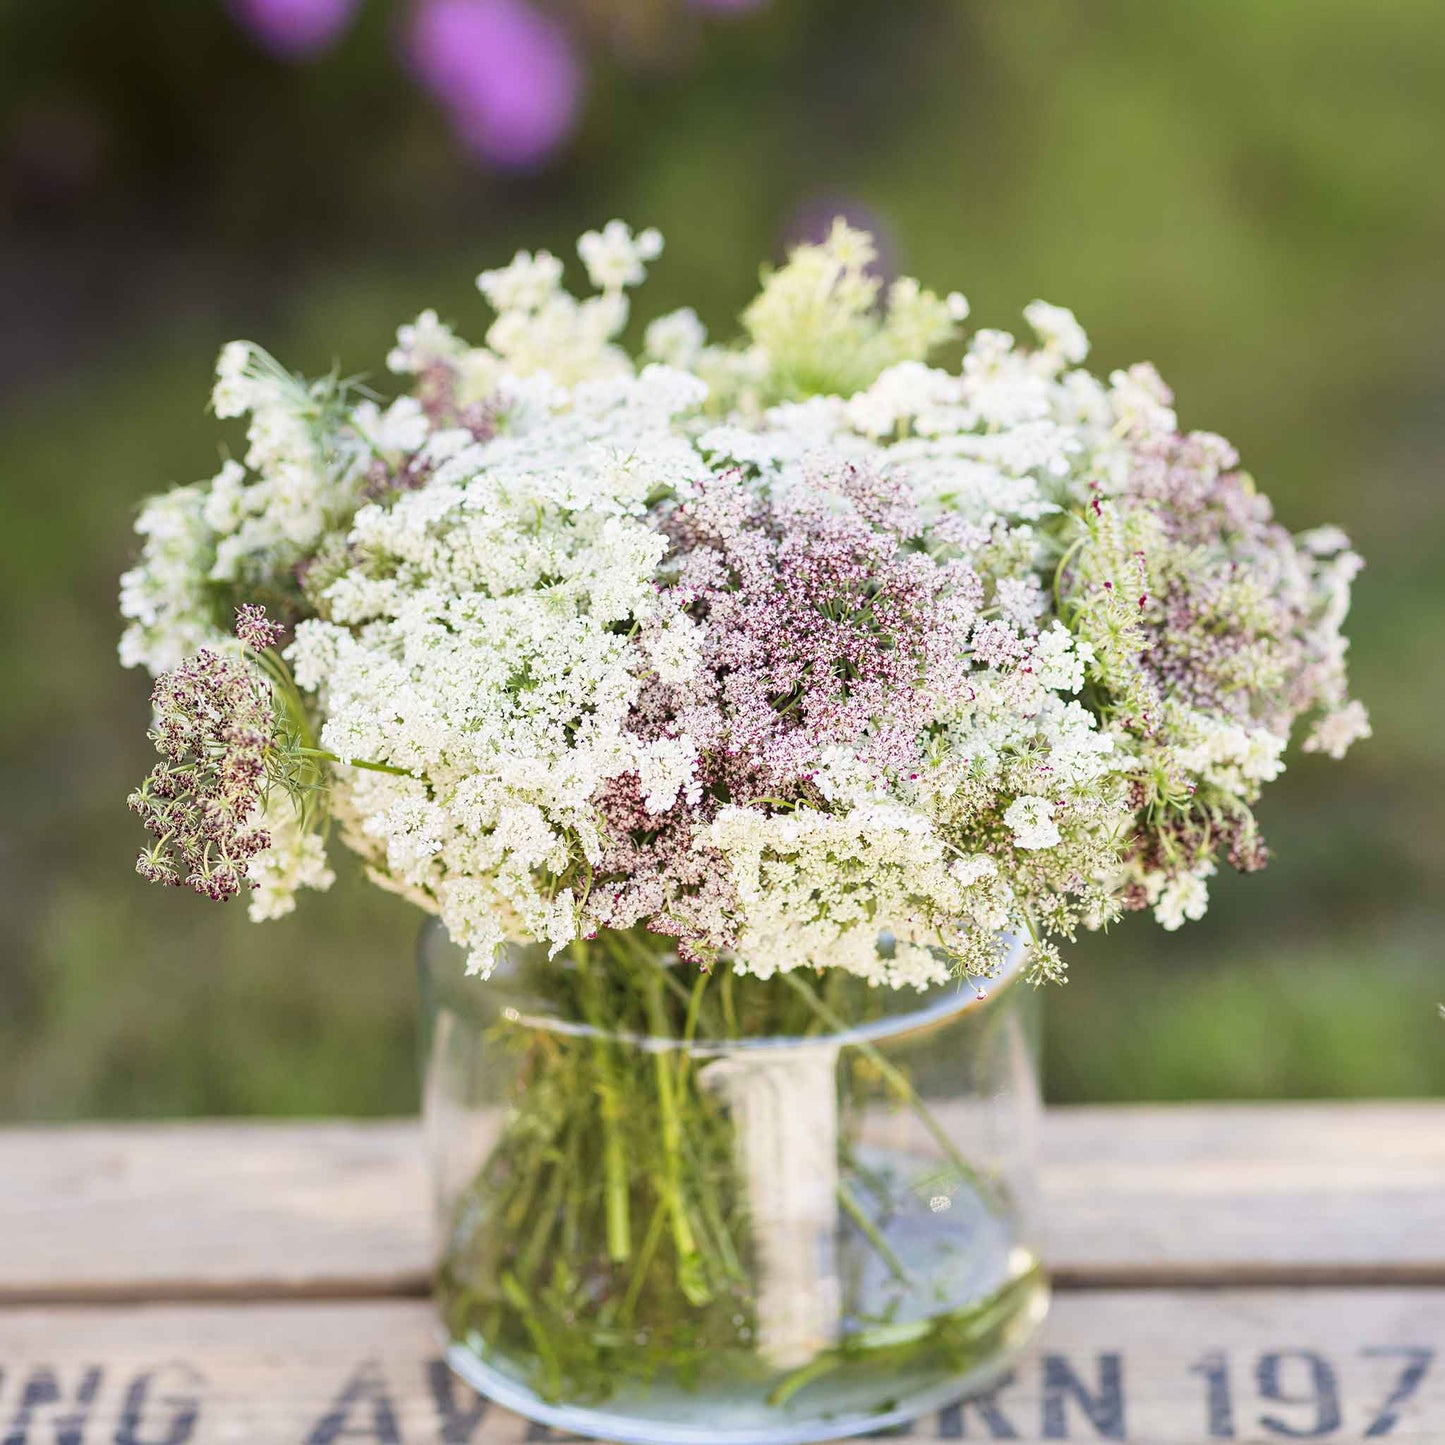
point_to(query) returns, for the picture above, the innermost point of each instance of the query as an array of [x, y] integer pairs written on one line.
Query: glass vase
[[680, 1208]]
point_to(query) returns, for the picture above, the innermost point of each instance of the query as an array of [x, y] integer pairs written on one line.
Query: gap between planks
[[1063, 1281]]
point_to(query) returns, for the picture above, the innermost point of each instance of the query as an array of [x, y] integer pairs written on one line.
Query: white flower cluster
[[482, 646], [166, 597], [296, 859], [244, 533], [814, 886], [497, 592]]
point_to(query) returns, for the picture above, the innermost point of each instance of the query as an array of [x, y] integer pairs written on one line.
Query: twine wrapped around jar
[[784, 1109]]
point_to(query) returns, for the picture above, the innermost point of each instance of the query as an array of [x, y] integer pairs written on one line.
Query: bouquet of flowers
[[795, 657], [767, 647]]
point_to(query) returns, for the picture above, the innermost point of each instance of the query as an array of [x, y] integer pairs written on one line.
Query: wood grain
[[183, 1210], [1258, 1194], [1300, 1193], [1158, 1366]]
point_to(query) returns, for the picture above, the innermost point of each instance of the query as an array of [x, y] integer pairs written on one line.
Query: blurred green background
[[1246, 192]]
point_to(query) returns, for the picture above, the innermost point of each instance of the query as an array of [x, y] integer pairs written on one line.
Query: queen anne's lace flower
[[804, 652], [614, 257], [1032, 821], [296, 859], [1064, 341], [677, 338]]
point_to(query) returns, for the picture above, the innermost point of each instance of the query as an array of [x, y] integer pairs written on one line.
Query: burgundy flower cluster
[[213, 727]]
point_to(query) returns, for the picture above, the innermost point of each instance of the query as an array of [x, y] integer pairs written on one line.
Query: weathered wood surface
[[1343, 1205], [1297, 1193], [1223, 1194], [1159, 1366], [144, 1211]]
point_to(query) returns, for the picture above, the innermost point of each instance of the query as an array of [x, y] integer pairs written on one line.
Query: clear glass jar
[[683, 1209]]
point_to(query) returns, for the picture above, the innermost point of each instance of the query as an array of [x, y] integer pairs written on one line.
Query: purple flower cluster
[[824, 616], [295, 29], [506, 72], [436, 390]]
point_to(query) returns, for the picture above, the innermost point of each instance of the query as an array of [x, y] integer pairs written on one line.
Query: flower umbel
[[224, 744], [255, 629]]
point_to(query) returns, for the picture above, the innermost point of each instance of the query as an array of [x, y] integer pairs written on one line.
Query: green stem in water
[[966, 1336], [689, 1032], [614, 1155], [690, 1274], [650, 1240], [901, 1085], [855, 1211], [551, 1365], [548, 1216], [815, 1369], [713, 1225]]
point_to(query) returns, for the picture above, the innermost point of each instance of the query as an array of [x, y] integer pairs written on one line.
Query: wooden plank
[[1284, 1194], [179, 1210], [1246, 1193], [1154, 1366]]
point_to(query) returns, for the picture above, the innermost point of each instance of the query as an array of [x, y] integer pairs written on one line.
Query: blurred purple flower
[[508, 75], [295, 29]]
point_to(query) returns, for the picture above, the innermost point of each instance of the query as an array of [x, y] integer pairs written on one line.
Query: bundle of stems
[[607, 1233]]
